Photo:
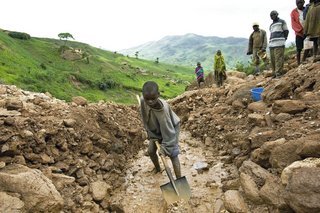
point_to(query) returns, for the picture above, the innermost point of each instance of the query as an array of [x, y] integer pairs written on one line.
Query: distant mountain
[[190, 48]]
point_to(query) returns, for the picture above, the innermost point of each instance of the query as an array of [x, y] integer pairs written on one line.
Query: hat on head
[[255, 24]]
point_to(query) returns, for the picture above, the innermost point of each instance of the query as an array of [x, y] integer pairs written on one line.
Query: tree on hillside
[[65, 37], [137, 54], [157, 61]]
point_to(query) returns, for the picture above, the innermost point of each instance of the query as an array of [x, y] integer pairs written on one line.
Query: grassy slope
[[20, 62]]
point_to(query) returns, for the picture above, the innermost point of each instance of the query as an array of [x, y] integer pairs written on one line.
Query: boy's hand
[[161, 151]]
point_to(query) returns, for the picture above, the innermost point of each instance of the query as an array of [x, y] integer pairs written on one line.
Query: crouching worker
[[162, 125]]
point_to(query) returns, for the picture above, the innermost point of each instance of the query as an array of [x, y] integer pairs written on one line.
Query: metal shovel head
[[183, 188]]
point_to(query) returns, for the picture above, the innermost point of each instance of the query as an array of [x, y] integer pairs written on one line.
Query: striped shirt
[[278, 33]]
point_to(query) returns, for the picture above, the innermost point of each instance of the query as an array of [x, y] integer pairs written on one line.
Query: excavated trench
[[202, 169]]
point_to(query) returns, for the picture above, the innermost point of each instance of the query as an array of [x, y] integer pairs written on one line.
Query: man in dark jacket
[[312, 27], [257, 46]]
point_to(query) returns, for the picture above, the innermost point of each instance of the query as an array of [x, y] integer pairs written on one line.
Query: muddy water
[[142, 188]]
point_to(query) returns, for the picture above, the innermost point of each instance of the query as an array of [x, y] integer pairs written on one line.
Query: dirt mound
[[272, 134], [88, 143]]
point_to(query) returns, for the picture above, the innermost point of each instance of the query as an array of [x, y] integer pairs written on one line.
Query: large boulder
[[284, 154], [80, 101], [302, 185], [257, 107], [10, 203], [256, 172], [272, 193], [36, 190], [261, 155], [260, 186], [258, 138], [234, 202], [309, 146], [279, 90], [250, 188], [288, 106]]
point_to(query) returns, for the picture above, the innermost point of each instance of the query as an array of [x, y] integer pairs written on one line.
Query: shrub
[[43, 66], [19, 35], [248, 69], [108, 84]]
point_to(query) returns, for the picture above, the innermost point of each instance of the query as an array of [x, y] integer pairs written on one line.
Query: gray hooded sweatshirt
[[162, 124]]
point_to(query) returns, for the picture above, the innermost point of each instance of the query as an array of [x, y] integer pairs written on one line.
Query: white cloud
[[118, 24]]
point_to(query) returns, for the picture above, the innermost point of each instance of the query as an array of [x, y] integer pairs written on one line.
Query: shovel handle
[[168, 171]]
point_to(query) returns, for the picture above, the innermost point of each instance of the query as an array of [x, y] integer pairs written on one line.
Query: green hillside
[[190, 48], [36, 65]]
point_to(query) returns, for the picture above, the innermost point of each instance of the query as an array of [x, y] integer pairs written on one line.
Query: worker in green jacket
[[219, 68]]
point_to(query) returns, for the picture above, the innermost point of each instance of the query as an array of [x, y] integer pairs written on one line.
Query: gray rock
[[10, 204], [288, 106], [234, 202], [250, 188], [36, 190], [99, 190], [303, 190]]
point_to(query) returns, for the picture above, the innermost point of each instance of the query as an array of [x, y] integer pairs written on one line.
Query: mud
[[141, 192]]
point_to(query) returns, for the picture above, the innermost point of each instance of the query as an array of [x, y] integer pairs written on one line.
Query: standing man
[[312, 27], [257, 46], [297, 26], [278, 36]]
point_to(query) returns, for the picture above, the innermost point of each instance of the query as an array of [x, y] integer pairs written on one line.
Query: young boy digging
[[162, 125]]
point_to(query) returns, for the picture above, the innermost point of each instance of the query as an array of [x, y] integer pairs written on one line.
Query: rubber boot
[[152, 150], [298, 58], [257, 70], [176, 166]]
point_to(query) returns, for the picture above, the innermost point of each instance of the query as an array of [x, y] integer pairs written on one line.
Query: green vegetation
[[37, 65], [189, 49], [65, 37], [19, 35], [289, 51]]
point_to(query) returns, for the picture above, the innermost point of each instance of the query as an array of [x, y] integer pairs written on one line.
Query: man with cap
[[278, 35], [297, 23], [257, 46]]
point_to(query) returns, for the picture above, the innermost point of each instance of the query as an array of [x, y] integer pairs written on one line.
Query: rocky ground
[[237, 155]]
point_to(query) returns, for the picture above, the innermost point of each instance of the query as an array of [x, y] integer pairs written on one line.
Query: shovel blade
[[183, 188]]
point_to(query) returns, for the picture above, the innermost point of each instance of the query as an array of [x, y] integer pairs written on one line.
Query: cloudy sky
[[120, 24]]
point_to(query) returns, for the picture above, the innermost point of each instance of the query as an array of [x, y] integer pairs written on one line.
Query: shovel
[[177, 189]]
